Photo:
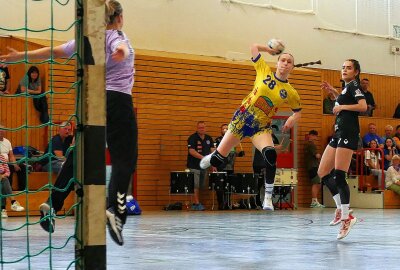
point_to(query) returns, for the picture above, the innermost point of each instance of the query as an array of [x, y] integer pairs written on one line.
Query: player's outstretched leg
[[214, 159], [57, 198]]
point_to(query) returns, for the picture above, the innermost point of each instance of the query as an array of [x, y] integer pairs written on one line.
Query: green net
[[23, 243]]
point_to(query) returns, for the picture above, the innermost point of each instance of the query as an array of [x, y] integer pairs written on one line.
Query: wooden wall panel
[[17, 71], [61, 79], [17, 112]]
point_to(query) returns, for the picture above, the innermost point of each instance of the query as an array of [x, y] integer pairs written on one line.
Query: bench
[[36, 180], [391, 199]]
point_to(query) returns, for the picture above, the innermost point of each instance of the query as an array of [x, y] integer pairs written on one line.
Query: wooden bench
[[36, 180], [370, 182], [391, 200]]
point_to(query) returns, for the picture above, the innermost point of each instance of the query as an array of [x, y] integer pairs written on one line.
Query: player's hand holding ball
[[275, 46]]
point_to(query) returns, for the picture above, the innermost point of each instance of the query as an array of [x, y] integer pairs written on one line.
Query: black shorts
[[313, 176], [349, 142]]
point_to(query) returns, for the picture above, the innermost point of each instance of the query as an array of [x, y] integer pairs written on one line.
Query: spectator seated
[[389, 150], [58, 147], [373, 160], [371, 135], [392, 180], [396, 138]]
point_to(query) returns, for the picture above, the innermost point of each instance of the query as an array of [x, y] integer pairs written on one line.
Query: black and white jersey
[[347, 121]]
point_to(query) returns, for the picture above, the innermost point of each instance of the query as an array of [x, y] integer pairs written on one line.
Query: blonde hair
[[389, 127], [396, 157], [113, 10], [65, 124]]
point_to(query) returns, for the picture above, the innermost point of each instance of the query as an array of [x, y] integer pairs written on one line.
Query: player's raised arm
[[257, 48], [39, 54]]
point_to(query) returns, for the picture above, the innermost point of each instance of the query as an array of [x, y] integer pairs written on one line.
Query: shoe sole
[[268, 208], [111, 227], [352, 223], [16, 210]]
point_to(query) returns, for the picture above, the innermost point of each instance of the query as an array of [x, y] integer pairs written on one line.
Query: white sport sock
[[336, 198], [268, 190], [345, 211], [314, 200]]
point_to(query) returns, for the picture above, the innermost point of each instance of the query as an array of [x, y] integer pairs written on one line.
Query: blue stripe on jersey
[[256, 59]]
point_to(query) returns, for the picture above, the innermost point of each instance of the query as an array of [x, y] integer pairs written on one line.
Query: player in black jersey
[[337, 155]]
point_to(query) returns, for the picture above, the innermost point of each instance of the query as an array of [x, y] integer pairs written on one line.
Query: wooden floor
[[238, 239]]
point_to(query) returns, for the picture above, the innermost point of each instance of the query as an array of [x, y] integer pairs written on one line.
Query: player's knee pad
[[269, 154], [217, 159], [340, 178], [328, 181]]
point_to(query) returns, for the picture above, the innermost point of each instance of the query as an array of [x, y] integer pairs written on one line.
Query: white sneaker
[[338, 215], [267, 204], [17, 207], [4, 213], [205, 162], [346, 227], [316, 205]]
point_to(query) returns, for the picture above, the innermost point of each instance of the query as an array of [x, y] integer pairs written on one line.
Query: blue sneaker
[[200, 207]]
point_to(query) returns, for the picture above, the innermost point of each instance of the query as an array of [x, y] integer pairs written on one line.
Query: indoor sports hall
[[259, 90]]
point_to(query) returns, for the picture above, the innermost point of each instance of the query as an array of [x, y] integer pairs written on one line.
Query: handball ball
[[276, 44], [129, 198]]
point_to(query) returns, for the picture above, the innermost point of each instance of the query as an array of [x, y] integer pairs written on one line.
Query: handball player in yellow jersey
[[253, 118]]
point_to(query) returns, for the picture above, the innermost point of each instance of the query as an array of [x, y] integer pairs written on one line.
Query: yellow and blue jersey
[[268, 94]]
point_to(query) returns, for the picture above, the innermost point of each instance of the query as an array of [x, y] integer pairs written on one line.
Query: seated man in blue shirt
[[371, 135], [59, 145]]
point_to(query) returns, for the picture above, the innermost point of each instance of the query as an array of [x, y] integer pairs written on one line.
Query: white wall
[[220, 28], [214, 27], [39, 15]]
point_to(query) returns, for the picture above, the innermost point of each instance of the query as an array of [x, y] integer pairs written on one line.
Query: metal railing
[[360, 165]]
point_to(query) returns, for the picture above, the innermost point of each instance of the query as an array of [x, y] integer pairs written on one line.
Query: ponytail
[[113, 10]]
